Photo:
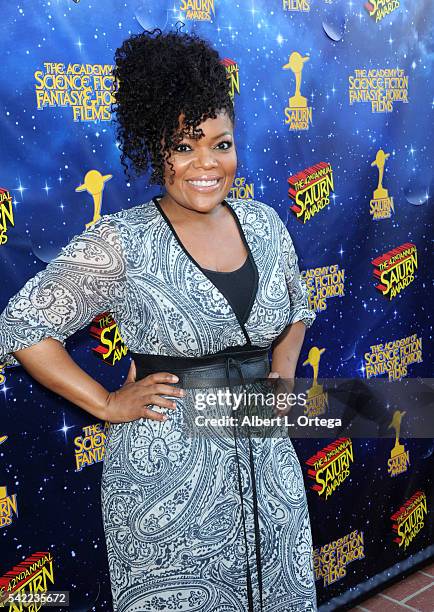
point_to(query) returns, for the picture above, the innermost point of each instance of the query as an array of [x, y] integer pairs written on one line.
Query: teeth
[[204, 183]]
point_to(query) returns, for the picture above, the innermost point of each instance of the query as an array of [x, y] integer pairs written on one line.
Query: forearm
[[286, 350], [50, 364]]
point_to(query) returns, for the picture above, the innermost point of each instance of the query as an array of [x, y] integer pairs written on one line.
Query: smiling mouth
[[204, 185], [209, 183]]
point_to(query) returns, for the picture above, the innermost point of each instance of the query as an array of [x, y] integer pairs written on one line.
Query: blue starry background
[[45, 155]]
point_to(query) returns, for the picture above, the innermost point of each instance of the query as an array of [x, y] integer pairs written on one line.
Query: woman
[[200, 286]]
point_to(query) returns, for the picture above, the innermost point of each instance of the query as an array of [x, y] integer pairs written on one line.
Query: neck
[[177, 212]]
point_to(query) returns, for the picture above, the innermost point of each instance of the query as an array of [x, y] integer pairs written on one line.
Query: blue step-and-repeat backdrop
[[334, 108]]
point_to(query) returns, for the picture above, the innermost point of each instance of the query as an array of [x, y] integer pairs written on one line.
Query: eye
[[181, 145], [228, 142]]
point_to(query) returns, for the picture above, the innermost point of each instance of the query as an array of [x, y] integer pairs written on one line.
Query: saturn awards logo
[[409, 520], [298, 114], [381, 205], [399, 457], [310, 190], [330, 466], [395, 269], [198, 10], [317, 398]]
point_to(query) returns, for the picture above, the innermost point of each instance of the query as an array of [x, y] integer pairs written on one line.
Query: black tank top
[[237, 287]]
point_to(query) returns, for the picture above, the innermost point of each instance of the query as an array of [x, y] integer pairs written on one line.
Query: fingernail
[[165, 417], [175, 378]]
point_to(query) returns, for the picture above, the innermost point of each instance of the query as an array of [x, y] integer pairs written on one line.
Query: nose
[[205, 159]]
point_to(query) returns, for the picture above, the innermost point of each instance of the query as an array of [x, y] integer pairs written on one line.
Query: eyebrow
[[214, 137]]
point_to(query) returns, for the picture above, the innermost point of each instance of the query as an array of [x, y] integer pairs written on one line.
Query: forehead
[[211, 127]]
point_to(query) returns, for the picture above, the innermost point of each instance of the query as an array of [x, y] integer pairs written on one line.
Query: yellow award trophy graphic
[[298, 113], [94, 184], [317, 401], [381, 205], [399, 457], [296, 63]]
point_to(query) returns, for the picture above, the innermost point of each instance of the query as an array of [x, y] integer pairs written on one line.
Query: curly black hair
[[157, 79]]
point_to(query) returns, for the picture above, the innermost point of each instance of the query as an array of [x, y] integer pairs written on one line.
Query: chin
[[204, 206], [204, 201]]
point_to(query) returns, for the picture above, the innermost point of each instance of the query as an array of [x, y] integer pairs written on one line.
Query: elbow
[[304, 315]]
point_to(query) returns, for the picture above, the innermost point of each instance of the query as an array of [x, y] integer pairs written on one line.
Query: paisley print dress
[[170, 502]]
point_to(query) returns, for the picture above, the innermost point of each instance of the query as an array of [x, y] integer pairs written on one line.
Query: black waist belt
[[206, 371], [228, 370]]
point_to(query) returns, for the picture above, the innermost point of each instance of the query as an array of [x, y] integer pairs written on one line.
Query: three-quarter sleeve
[[88, 277], [297, 287]]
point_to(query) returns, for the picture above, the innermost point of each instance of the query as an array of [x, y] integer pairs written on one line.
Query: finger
[[157, 400], [160, 377], [160, 389], [131, 376], [152, 415]]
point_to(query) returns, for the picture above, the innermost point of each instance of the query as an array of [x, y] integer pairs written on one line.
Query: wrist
[[102, 408]]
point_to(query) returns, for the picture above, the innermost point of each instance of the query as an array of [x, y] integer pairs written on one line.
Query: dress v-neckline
[[242, 322]]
